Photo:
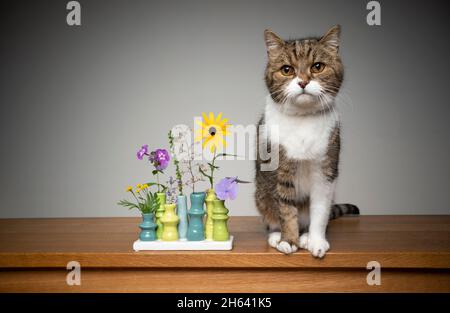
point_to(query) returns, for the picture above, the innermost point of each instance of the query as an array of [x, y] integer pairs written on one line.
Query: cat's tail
[[338, 210]]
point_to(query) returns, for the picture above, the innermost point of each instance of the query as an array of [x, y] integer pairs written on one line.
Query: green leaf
[[128, 204], [156, 184], [152, 184]]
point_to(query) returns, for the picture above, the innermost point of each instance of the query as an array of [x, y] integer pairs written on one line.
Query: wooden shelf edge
[[303, 260]]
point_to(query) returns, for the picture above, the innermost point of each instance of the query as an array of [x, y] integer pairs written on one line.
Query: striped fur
[[338, 210], [297, 197]]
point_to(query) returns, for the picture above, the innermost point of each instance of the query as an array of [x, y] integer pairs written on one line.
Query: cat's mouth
[[304, 95], [304, 99]]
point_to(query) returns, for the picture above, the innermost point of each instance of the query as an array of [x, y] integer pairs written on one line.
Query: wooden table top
[[393, 241]]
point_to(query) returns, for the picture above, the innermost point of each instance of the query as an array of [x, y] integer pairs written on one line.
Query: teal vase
[[147, 227], [196, 213], [182, 214]]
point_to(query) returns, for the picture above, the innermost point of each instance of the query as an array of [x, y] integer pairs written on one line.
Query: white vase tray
[[183, 244]]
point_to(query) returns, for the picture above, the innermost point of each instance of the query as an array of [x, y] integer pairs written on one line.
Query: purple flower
[[227, 188], [151, 157], [142, 151], [160, 159]]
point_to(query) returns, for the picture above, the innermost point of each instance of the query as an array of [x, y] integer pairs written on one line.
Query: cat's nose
[[303, 83]]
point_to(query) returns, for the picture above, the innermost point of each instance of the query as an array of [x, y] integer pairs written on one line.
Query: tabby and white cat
[[303, 77]]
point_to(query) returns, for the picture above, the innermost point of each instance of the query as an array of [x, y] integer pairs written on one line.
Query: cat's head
[[304, 76]]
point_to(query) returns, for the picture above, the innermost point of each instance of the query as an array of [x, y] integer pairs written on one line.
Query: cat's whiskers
[[283, 100], [322, 104], [276, 92], [326, 91], [325, 100], [322, 112]]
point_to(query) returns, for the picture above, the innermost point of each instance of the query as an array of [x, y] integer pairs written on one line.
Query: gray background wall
[[76, 102]]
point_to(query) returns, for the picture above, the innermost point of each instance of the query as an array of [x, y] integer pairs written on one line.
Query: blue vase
[[182, 214], [196, 213], [147, 227]]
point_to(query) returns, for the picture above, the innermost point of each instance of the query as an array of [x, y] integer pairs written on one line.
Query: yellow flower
[[129, 188], [138, 190], [213, 131], [145, 186], [138, 186]]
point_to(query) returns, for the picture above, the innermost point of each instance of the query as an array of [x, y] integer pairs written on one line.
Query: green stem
[[176, 163], [211, 179], [157, 179], [192, 175], [138, 202], [179, 177]]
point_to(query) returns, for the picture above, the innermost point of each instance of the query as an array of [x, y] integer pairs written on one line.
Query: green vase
[[159, 213], [210, 197], [220, 218], [170, 222]]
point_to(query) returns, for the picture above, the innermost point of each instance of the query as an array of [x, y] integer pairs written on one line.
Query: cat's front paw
[[286, 248], [318, 246], [274, 239], [303, 241]]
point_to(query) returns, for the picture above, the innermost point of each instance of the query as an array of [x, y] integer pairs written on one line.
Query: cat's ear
[[331, 38], [274, 43]]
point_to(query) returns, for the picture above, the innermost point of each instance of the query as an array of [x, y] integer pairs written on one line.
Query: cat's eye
[[287, 70], [317, 67]]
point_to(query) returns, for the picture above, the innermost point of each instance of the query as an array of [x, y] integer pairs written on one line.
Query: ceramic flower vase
[[147, 227], [182, 214], [170, 222], [159, 213], [220, 218], [196, 213], [210, 197]]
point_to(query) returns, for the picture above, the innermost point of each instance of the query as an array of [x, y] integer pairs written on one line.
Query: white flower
[[182, 142], [181, 133], [181, 152]]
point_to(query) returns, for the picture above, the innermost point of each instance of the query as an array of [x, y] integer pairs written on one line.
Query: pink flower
[[142, 151], [160, 159]]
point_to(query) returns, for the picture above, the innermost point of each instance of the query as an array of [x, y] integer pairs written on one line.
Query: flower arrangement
[[145, 200], [167, 205]]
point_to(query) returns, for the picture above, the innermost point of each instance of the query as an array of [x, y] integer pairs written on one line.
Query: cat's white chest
[[303, 138]]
